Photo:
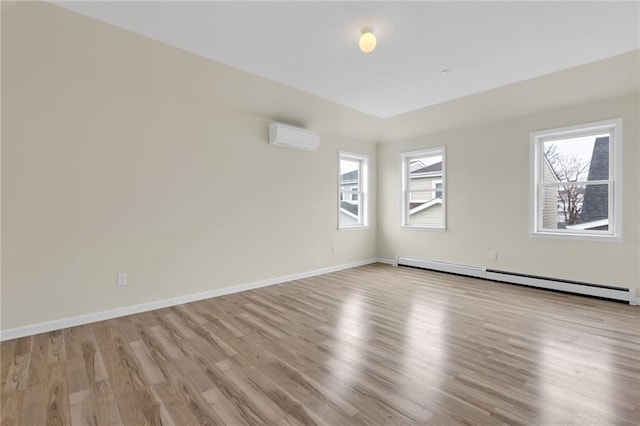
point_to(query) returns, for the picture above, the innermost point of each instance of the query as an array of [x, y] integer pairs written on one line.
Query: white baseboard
[[623, 294], [472, 271], [563, 286], [392, 262], [43, 327]]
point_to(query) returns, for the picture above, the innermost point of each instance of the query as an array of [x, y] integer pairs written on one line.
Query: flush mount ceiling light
[[367, 40]]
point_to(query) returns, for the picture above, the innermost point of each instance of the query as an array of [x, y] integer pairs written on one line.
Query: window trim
[[363, 184], [404, 170], [536, 143]]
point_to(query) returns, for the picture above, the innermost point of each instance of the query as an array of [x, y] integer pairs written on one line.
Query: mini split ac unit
[[293, 137]]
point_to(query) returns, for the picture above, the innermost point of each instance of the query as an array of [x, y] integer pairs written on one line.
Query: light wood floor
[[372, 345]]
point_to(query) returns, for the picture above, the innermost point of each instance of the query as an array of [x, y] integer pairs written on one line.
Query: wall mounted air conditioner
[[293, 137]]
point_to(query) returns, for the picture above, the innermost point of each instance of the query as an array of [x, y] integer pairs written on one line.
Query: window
[[576, 181], [437, 185], [352, 191], [423, 189]]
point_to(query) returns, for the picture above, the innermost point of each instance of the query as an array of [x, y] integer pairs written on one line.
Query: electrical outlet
[[333, 249], [493, 255], [122, 279]]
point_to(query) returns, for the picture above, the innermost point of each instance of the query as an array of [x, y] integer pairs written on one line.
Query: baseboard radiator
[[588, 289]]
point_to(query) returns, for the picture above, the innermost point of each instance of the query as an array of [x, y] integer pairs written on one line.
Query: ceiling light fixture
[[367, 40]]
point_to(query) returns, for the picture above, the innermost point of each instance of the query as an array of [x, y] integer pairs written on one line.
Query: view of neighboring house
[[552, 210], [425, 184], [426, 196], [349, 203], [595, 209]]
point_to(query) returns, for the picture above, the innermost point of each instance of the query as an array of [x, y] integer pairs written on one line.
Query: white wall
[[488, 200], [124, 161]]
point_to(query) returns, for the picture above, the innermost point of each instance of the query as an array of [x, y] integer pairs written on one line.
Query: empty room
[[320, 213]]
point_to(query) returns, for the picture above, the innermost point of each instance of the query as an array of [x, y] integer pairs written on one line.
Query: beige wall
[[488, 200], [107, 171], [122, 154]]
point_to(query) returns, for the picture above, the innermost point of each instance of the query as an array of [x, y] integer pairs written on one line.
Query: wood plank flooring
[[367, 346]]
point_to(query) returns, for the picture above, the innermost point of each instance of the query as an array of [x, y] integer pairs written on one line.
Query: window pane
[[576, 159], [349, 185], [576, 207], [425, 208], [426, 214], [419, 197], [350, 213], [424, 189], [349, 174], [423, 171]]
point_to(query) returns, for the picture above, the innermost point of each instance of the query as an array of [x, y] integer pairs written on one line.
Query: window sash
[[587, 132], [407, 158], [570, 134], [576, 183], [610, 210], [413, 223], [359, 190], [360, 215]]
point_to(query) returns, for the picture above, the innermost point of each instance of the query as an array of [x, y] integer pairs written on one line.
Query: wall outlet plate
[[493, 255], [122, 279]]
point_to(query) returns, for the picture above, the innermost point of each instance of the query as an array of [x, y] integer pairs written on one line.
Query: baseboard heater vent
[[452, 268], [588, 289]]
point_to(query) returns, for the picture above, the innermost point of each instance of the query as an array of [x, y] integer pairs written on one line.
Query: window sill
[[576, 237], [352, 227], [423, 228]]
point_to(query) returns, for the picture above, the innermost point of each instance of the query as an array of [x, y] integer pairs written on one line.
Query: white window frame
[[363, 181], [537, 140], [406, 158]]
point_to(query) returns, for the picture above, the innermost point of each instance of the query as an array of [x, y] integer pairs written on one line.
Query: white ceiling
[[313, 46]]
